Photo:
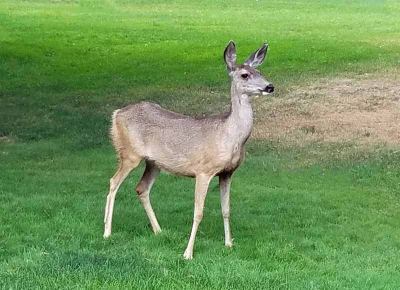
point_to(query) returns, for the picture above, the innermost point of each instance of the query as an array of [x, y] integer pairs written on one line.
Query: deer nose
[[269, 88]]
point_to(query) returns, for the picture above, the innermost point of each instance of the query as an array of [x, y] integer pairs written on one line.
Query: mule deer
[[199, 147]]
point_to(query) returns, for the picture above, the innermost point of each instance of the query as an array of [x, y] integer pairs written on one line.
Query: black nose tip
[[269, 88]]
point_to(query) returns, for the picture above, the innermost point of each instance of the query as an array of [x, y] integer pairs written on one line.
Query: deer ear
[[230, 56], [257, 57]]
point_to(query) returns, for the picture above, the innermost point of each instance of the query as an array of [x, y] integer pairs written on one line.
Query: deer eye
[[245, 76]]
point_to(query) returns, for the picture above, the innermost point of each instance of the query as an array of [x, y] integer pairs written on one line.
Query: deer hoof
[[187, 255], [156, 230]]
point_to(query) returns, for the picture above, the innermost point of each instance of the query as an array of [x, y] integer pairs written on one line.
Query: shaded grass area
[[302, 218], [61, 58]]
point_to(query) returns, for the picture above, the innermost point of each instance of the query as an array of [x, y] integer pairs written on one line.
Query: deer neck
[[240, 120]]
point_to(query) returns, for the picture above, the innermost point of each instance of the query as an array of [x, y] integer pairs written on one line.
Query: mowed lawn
[[316, 216]]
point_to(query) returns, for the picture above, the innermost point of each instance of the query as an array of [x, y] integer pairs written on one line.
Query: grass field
[[308, 211]]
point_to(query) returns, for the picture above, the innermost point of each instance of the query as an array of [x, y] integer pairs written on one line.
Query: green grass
[[300, 221]]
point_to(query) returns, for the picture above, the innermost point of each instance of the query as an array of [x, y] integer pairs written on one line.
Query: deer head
[[246, 80]]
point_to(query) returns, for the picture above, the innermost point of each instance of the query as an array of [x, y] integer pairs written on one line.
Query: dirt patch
[[364, 110]]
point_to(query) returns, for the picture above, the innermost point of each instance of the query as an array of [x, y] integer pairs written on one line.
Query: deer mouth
[[264, 93]]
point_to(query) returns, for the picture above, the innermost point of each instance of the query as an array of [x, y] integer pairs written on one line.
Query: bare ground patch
[[363, 110]]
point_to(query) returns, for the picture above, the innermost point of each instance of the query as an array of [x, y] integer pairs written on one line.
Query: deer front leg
[[224, 186], [202, 182]]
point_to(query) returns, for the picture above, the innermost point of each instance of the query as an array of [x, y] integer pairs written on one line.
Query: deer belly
[[194, 162]]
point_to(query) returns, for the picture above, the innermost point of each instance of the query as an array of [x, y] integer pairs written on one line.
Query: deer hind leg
[[125, 167], [143, 190], [202, 182]]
